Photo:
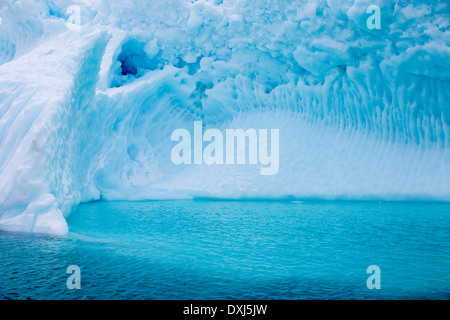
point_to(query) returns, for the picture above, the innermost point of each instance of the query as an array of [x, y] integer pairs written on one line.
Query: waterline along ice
[[288, 130]]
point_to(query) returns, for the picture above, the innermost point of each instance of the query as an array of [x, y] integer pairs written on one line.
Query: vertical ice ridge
[[76, 134], [28, 199]]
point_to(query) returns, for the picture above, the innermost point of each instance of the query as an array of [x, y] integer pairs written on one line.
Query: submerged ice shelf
[[87, 113]]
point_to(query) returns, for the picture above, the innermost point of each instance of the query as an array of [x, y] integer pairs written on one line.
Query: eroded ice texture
[[87, 113]]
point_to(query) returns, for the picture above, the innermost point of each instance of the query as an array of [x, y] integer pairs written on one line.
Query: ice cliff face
[[87, 113]]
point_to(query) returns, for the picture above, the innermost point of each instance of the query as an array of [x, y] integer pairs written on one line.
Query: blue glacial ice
[[87, 112]]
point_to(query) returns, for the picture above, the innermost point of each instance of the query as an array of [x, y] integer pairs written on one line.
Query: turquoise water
[[235, 250]]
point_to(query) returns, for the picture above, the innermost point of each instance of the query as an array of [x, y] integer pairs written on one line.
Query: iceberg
[[87, 111]]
